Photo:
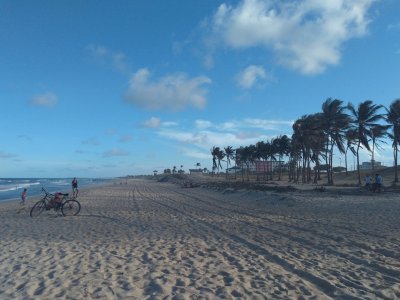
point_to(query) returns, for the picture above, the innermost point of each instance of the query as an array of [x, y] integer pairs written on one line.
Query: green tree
[[283, 144], [220, 157], [334, 122], [393, 119], [308, 142], [378, 133], [364, 117], [217, 156], [230, 154], [351, 142]]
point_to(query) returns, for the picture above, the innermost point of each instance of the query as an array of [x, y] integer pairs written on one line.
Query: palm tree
[[220, 157], [334, 122], [229, 152], [283, 143], [251, 156], [351, 137], [272, 150], [245, 156], [308, 142], [377, 133], [174, 170], [261, 153], [393, 118], [198, 165], [239, 159], [214, 153], [365, 117]]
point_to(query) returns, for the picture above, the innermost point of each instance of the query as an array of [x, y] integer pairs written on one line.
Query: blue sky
[[104, 88]]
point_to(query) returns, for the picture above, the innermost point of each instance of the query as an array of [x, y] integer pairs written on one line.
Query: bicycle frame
[[66, 205]]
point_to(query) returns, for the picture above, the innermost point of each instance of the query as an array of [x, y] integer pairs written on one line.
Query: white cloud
[[48, 99], [169, 124], [115, 152], [106, 57], [195, 153], [173, 92], [267, 124], [153, 122], [249, 76], [246, 124], [203, 124], [207, 139], [306, 35]]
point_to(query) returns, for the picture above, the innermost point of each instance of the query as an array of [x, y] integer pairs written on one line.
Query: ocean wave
[[60, 182], [17, 186]]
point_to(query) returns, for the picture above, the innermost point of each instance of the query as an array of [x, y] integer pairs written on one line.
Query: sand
[[156, 240]]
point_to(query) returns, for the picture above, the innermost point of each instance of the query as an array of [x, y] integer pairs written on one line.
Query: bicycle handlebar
[[48, 194]]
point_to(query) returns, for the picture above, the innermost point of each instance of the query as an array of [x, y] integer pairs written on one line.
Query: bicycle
[[67, 206]]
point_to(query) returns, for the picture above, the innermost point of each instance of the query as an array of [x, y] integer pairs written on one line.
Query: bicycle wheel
[[71, 208], [38, 208]]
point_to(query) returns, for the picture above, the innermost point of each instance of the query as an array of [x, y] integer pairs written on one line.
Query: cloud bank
[[172, 92]]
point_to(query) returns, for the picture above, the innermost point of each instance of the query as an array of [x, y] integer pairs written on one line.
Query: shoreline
[[65, 188]]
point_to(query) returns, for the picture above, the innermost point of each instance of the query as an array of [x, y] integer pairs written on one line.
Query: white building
[[367, 165]]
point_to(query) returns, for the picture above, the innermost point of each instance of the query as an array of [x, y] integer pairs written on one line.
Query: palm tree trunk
[[331, 164], [308, 170], [327, 161], [373, 150], [358, 163], [280, 167], [396, 178]]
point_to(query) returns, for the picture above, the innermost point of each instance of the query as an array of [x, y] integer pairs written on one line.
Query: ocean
[[11, 188]]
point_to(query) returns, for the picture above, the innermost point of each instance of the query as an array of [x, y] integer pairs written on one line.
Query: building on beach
[[260, 166], [367, 165], [195, 171]]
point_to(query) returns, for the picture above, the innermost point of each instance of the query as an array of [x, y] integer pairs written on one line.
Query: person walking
[[22, 203], [75, 190]]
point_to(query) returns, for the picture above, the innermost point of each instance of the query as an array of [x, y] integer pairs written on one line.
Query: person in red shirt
[[22, 203]]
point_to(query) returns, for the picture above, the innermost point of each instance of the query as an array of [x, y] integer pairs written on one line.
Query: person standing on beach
[[368, 182], [378, 183], [22, 203], [75, 190]]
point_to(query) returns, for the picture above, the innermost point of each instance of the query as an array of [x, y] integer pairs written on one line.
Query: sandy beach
[[144, 239]]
